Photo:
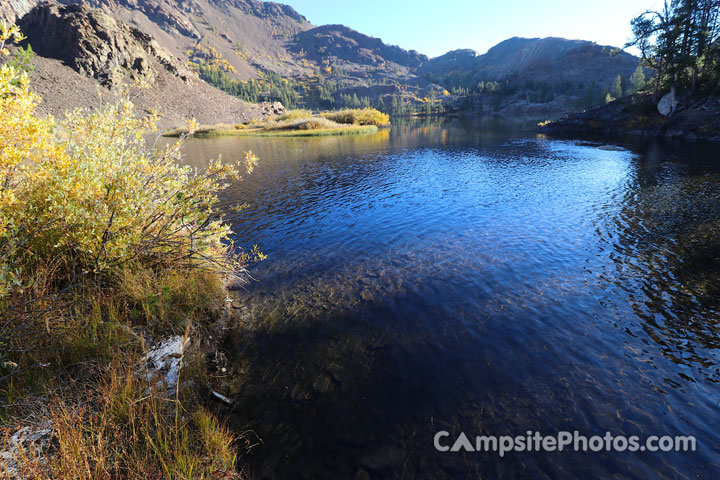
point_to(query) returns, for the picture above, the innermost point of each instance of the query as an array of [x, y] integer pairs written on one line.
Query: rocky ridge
[[552, 60]]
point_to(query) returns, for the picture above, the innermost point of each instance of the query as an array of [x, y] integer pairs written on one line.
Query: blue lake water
[[473, 276]]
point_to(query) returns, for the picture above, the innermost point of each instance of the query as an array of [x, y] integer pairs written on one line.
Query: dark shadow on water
[[334, 397]]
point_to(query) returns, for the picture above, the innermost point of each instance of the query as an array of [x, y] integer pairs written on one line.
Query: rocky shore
[[695, 119]]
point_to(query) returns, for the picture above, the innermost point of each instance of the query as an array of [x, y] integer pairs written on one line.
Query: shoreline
[[697, 119], [205, 132]]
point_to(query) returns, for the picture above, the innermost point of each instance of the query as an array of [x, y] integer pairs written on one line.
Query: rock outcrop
[[272, 108], [12, 10], [96, 45], [171, 15]]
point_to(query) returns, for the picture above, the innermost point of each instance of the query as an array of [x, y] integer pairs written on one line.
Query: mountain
[[337, 42], [83, 53], [535, 67], [554, 60], [265, 51]]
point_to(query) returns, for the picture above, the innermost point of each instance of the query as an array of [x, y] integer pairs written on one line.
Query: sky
[[438, 26]]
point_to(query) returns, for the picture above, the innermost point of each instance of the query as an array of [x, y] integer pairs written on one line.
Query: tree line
[[679, 42]]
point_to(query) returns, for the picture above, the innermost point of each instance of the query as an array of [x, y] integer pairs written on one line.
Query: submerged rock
[[383, 458], [323, 384]]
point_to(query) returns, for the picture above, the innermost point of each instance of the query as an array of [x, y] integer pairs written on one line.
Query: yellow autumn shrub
[[83, 196], [359, 116]]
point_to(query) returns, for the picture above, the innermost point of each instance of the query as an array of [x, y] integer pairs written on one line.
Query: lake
[[473, 276]]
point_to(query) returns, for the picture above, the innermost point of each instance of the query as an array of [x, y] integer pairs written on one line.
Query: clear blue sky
[[438, 26]]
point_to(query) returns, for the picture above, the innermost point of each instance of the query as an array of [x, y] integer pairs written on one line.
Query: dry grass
[[108, 421], [294, 115], [126, 428], [313, 123]]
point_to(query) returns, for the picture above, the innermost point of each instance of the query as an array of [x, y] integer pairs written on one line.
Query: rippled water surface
[[466, 277]]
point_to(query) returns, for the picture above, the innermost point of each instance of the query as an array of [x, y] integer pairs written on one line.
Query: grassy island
[[298, 123]]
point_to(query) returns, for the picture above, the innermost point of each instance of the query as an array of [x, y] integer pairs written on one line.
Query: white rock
[[668, 103], [163, 363]]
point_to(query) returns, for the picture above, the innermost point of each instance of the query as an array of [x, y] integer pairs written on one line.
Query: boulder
[[274, 108], [668, 103]]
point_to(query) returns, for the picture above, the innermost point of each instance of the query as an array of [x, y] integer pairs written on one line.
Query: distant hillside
[[553, 60], [265, 51], [543, 68], [337, 42]]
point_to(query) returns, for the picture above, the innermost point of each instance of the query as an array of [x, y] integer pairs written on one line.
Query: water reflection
[[467, 276], [666, 253]]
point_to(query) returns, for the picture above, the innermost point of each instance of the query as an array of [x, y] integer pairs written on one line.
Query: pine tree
[[679, 43], [588, 98], [605, 97], [637, 80], [617, 90]]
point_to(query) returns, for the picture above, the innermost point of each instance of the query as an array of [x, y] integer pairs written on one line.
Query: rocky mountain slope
[[244, 40], [84, 53], [337, 42], [12, 10], [94, 44]]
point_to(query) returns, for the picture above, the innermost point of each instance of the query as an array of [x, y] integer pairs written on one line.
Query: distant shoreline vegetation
[[298, 123]]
